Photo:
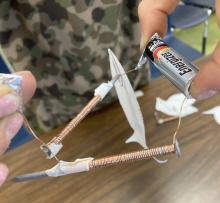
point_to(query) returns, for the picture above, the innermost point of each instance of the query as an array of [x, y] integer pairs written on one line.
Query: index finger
[[153, 17]]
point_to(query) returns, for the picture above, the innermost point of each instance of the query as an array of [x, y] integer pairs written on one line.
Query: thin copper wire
[[132, 156], [27, 125], [132, 70], [171, 118], [179, 122]]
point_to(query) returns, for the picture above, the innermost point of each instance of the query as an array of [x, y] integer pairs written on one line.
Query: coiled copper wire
[[133, 156], [75, 121]]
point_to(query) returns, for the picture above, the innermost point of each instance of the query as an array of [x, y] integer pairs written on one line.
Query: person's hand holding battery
[[11, 121], [153, 18]]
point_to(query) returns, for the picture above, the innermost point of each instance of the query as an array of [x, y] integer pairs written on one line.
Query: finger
[[151, 21], [9, 126], [153, 17], [10, 102], [28, 85], [207, 82], [3, 173]]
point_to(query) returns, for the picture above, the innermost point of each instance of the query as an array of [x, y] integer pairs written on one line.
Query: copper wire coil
[[74, 122], [133, 156]]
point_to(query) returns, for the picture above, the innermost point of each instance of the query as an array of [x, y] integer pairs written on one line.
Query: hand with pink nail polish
[[10, 120], [153, 18]]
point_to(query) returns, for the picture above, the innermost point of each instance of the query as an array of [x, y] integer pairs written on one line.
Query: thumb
[[207, 81]]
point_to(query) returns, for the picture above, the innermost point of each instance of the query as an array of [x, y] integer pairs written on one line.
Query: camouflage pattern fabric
[[64, 44]]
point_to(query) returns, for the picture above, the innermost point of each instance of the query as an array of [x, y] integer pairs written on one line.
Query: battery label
[[170, 63], [166, 53]]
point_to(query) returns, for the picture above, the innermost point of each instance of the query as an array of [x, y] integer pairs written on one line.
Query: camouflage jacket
[[64, 44]]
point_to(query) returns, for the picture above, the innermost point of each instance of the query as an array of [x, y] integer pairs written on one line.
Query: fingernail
[[143, 42], [3, 173], [14, 123], [206, 94], [9, 104]]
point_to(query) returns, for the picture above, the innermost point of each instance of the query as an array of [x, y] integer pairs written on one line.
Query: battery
[[176, 68]]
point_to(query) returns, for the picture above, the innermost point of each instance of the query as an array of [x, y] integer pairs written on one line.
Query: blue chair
[[23, 135], [187, 16], [209, 4]]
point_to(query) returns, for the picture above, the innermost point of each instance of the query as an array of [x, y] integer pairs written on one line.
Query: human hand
[[11, 121], [153, 18]]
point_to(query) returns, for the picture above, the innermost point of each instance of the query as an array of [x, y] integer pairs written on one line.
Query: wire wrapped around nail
[[133, 156]]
